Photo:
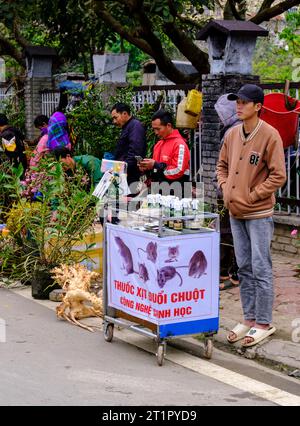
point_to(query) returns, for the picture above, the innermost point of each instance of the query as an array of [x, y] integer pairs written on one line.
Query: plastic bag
[[103, 185], [9, 145], [193, 102], [184, 120]]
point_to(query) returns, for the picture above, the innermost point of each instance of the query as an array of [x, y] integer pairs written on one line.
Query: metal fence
[[288, 196], [50, 100], [6, 92], [171, 95]]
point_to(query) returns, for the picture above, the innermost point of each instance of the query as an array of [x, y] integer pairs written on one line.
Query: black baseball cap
[[248, 92]]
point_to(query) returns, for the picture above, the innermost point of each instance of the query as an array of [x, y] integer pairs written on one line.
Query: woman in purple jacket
[[58, 132]]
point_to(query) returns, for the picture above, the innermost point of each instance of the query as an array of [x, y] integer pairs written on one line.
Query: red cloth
[[274, 112]]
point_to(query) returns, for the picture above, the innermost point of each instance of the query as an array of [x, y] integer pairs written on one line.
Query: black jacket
[[17, 156], [132, 142]]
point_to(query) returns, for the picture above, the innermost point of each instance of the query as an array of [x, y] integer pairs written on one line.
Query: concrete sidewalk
[[283, 348]]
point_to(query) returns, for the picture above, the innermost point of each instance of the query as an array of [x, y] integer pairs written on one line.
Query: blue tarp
[[74, 88]]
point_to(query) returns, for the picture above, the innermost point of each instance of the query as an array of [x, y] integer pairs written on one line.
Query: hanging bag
[[184, 120], [193, 104]]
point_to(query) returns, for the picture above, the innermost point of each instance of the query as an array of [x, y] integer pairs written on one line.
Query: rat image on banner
[[151, 277]]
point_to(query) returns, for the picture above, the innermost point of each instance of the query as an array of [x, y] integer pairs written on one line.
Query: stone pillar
[[39, 61], [213, 86], [33, 102]]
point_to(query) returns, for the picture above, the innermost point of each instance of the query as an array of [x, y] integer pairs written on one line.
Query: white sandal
[[240, 330], [258, 334]]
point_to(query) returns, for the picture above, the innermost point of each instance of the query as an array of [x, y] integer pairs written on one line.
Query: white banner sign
[[163, 280]]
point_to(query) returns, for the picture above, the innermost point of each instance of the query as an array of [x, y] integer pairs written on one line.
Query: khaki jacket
[[250, 170]]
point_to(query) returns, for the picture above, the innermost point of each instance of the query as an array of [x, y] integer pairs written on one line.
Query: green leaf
[[166, 12], [89, 246]]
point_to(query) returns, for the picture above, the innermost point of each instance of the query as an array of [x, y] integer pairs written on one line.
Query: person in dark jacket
[[132, 141], [12, 143]]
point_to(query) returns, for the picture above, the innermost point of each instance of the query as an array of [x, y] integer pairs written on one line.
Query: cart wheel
[[160, 354], [109, 332], [208, 348]]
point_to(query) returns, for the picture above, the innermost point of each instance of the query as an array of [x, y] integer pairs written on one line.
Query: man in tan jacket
[[250, 169]]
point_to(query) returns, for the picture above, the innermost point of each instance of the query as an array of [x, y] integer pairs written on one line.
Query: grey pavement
[[282, 349], [45, 361]]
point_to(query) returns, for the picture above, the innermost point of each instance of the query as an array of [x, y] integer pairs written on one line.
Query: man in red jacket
[[171, 155]]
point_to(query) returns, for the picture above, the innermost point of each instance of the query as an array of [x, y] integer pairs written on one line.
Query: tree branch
[[219, 3], [266, 4], [137, 4], [270, 13], [116, 26], [186, 19], [190, 21], [163, 62], [147, 40], [185, 44], [133, 5], [18, 36], [172, 8], [235, 13], [8, 49]]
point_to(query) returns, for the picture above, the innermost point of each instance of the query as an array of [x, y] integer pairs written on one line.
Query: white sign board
[[163, 280]]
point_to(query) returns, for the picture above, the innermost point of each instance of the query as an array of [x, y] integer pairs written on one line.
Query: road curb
[[283, 355]]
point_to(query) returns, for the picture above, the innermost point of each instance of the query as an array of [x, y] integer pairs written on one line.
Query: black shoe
[[235, 278], [115, 220]]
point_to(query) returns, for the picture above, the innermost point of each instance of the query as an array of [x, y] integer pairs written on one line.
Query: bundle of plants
[[79, 301], [51, 212]]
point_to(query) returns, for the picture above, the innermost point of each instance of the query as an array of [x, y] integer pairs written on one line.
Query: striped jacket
[[58, 135], [172, 157], [250, 170]]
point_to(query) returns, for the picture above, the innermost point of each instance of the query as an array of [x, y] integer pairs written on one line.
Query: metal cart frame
[[111, 318]]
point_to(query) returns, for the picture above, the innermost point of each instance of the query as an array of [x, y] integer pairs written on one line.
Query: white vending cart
[[160, 282]]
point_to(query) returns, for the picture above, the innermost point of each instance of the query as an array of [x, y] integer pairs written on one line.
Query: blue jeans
[[252, 246]]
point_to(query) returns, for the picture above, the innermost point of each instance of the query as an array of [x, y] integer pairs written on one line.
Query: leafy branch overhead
[[162, 29]]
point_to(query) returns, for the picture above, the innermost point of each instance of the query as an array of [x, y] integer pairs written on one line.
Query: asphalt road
[[45, 361]]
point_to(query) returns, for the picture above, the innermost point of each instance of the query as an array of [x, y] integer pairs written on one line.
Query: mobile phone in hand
[[138, 158]]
